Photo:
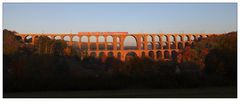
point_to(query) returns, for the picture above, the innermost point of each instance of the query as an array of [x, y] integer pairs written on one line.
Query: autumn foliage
[[52, 65]]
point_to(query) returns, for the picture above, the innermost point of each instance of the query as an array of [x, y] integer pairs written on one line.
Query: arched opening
[[151, 54], [130, 43], [92, 39], [84, 39], [109, 46], [110, 54], [109, 39], [119, 55], [166, 55], [84, 45], [174, 55], [102, 54], [150, 46], [158, 45], [93, 54], [149, 38], [28, 39], [179, 38], [186, 38], [172, 38], [159, 55], [75, 41], [93, 46], [165, 45], [180, 45], [101, 46], [192, 38], [157, 39], [187, 44], [164, 38], [173, 45], [101, 39], [130, 55], [57, 37], [66, 38]]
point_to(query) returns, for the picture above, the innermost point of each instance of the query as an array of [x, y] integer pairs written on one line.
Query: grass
[[211, 92]]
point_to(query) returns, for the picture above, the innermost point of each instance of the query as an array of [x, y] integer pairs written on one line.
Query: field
[[213, 92]]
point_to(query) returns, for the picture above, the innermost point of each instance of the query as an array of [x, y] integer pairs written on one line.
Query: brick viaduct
[[155, 46]]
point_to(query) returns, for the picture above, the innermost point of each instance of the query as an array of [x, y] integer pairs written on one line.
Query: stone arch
[[165, 45], [101, 39], [101, 46], [166, 55], [50, 37], [84, 39], [93, 54], [179, 38], [186, 38], [149, 38], [173, 45], [150, 46], [57, 37], [187, 44], [180, 45], [101, 54], [75, 39], [93, 46], [151, 54], [66, 38], [158, 45], [130, 55], [92, 39], [130, 43], [119, 55], [109, 39], [109, 46], [157, 38], [110, 54], [28, 39], [174, 55], [171, 38], [164, 38], [159, 54], [192, 38]]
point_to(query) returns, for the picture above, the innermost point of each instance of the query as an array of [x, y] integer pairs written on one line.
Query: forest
[[51, 65]]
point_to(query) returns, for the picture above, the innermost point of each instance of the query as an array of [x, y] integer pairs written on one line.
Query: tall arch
[[110, 54], [130, 55], [66, 38], [159, 55], [172, 38], [179, 38], [130, 43], [150, 46], [151, 54], [166, 55]]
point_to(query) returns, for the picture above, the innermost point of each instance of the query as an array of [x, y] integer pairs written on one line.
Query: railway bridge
[[120, 44]]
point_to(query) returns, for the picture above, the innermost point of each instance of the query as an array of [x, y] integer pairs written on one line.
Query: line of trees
[[52, 65]]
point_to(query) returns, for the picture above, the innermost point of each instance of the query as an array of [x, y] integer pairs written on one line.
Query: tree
[[10, 43]]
